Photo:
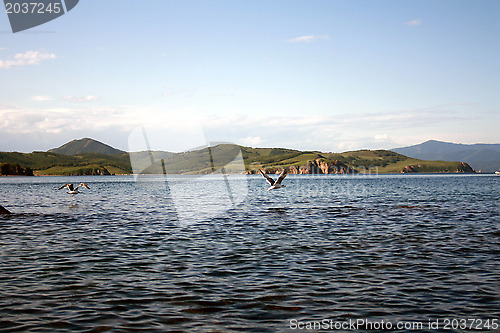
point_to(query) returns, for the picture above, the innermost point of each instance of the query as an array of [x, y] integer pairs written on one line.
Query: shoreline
[[247, 174]]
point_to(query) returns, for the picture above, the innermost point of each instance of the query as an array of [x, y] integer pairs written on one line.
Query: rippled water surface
[[186, 256]]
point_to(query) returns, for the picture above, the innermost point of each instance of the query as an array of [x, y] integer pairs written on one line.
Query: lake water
[[225, 255]]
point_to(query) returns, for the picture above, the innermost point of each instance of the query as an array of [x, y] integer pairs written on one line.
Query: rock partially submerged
[[4, 210]]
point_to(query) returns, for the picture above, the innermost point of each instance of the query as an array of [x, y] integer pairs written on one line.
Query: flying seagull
[[73, 190], [275, 184]]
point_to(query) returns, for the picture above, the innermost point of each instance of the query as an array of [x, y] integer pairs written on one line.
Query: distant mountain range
[[484, 157], [90, 157]]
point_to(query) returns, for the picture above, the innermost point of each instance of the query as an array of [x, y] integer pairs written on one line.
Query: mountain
[[78, 157], [90, 157], [86, 146], [205, 160], [484, 157]]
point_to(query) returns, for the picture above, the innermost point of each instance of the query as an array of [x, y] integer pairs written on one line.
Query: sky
[[312, 75]]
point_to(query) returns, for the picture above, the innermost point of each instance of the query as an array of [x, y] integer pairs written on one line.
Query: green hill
[[273, 159], [86, 146], [362, 161], [202, 161], [47, 163]]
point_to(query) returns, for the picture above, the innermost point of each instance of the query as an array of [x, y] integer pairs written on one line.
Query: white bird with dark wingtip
[[275, 184], [73, 190]]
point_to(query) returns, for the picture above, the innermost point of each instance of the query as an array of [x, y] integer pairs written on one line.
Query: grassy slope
[[389, 162], [57, 164], [381, 161], [85, 146], [200, 161]]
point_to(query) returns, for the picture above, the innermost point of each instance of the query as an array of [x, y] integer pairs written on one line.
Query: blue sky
[[326, 75]]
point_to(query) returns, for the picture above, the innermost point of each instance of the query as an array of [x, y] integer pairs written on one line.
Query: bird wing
[[84, 185], [269, 179], [69, 186], [282, 176]]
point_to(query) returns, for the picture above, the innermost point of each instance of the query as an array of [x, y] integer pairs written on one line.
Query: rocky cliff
[[7, 169], [317, 166], [90, 171], [461, 167]]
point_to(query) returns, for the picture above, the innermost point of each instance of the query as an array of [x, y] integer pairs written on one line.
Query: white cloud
[[334, 133], [338, 133], [307, 39], [41, 98], [414, 22], [28, 58], [85, 99], [381, 137], [251, 141], [44, 128]]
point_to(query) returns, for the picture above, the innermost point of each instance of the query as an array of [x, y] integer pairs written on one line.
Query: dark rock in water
[[465, 168], [4, 211]]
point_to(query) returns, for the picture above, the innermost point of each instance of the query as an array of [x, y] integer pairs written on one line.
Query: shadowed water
[[116, 257]]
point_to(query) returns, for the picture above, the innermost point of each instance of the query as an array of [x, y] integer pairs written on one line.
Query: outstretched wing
[[269, 179], [281, 177], [68, 185], [84, 185]]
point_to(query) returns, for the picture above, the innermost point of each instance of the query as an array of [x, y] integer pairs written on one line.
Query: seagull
[[275, 184], [73, 190]]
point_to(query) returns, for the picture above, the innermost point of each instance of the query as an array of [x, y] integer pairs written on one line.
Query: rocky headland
[[462, 167], [90, 157], [319, 165], [7, 169]]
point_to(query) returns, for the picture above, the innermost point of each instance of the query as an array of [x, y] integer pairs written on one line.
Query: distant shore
[[255, 174]]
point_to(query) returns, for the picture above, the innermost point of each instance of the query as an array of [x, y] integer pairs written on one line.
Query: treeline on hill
[[46, 163], [7, 169]]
